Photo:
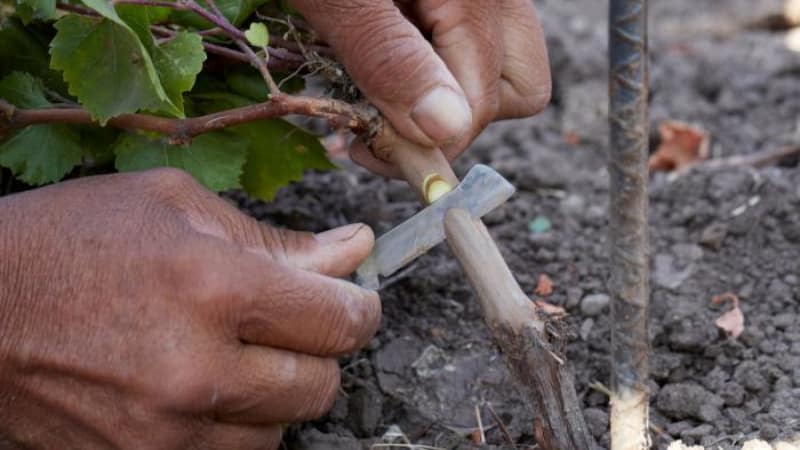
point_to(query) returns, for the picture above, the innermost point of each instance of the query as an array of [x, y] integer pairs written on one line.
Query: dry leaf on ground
[[682, 145], [731, 322], [544, 286]]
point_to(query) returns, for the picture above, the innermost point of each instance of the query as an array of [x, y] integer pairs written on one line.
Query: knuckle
[[389, 54], [168, 178], [186, 386]]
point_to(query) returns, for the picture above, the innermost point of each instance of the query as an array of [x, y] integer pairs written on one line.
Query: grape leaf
[[178, 63], [23, 90], [257, 35], [107, 68], [30, 10], [38, 154], [214, 159], [279, 153], [22, 49], [41, 154], [238, 10]]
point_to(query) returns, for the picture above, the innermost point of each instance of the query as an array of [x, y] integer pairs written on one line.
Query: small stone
[[594, 304], [697, 432], [748, 374], [596, 420], [676, 428], [574, 295], [366, 409], [574, 205], [769, 431], [586, 328], [733, 394], [539, 225], [713, 235], [688, 400]]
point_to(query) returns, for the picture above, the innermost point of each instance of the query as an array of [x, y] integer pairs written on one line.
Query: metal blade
[[482, 190]]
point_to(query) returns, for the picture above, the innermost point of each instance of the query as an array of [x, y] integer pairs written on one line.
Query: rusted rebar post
[[627, 166]]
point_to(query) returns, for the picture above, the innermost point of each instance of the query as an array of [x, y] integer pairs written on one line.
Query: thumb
[[395, 67], [336, 252]]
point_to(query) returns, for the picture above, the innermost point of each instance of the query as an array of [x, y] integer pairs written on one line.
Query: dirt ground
[[735, 230]]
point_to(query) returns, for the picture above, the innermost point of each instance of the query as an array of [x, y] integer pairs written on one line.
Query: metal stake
[[627, 166]]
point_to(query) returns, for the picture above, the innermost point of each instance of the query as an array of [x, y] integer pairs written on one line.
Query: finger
[[225, 436], [278, 306], [525, 85], [395, 67], [336, 252], [270, 386], [467, 36]]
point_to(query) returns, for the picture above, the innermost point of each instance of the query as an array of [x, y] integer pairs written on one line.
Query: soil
[[736, 230]]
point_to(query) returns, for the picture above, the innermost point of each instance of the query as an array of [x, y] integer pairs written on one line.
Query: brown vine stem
[[339, 114]]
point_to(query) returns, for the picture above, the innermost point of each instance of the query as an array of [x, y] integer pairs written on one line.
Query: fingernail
[[339, 234], [443, 114]]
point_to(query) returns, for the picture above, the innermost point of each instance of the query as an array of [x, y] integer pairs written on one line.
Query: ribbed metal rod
[[627, 166]]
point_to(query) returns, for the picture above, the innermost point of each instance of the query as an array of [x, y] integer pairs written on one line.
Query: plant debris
[[732, 321], [682, 145], [544, 286]]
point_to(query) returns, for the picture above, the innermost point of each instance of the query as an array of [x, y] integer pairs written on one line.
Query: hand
[[142, 311], [486, 60]]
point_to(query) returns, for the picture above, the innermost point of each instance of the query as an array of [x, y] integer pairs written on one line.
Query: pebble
[[697, 432], [713, 235], [688, 401], [594, 304], [769, 431], [366, 409], [586, 328]]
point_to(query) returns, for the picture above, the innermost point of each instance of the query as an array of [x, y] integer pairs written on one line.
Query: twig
[[480, 424], [500, 424], [339, 114], [759, 159]]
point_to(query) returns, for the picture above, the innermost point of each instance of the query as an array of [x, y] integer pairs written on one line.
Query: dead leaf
[[732, 321], [682, 145], [549, 309], [544, 286], [572, 138]]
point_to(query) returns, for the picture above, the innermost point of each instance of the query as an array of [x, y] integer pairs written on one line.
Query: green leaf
[[178, 62], [107, 68], [22, 49], [238, 10], [214, 159], [41, 154], [279, 154], [257, 35], [23, 90], [38, 154], [98, 145], [30, 10]]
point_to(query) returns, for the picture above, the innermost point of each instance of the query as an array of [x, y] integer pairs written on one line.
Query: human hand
[[142, 311], [486, 60]]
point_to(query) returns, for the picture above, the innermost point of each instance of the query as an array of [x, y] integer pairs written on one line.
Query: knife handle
[[426, 170]]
